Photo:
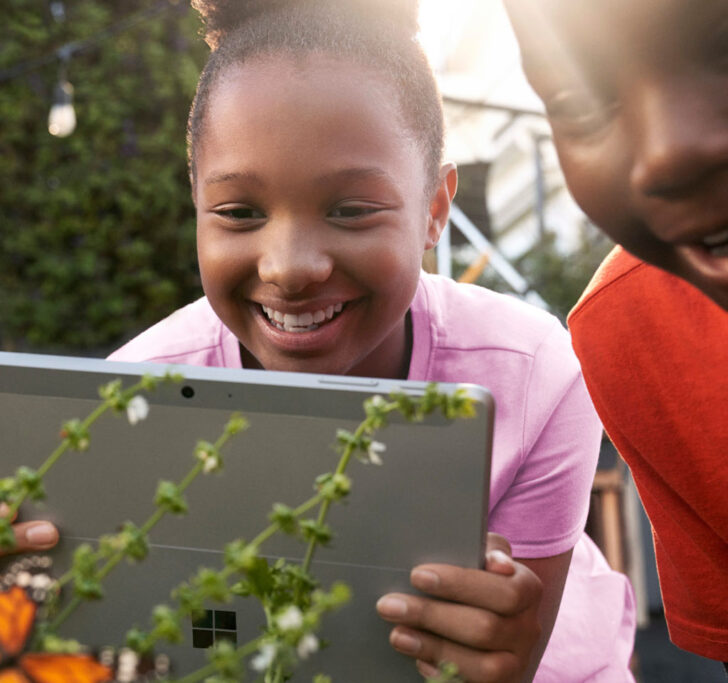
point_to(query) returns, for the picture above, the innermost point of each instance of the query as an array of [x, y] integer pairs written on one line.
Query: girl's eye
[[353, 211], [240, 213], [578, 113]]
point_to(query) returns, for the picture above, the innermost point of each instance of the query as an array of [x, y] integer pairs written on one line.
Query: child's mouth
[[303, 322], [717, 244]]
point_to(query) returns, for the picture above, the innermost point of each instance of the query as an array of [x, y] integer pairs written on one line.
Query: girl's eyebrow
[[355, 173], [249, 177], [350, 174]]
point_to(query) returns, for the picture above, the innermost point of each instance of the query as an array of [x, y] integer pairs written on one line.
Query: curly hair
[[380, 34]]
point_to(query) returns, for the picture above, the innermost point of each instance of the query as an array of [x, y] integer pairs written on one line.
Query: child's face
[[312, 217], [637, 95]]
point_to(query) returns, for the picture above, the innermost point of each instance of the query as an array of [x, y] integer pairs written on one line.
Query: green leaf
[[284, 517], [138, 640], [236, 423], [134, 542], [76, 435], [227, 663], [211, 585], [259, 578], [313, 531], [170, 498], [7, 536], [240, 556], [333, 486], [167, 624], [8, 489]]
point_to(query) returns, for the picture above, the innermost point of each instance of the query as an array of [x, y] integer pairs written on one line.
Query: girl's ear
[[439, 210]]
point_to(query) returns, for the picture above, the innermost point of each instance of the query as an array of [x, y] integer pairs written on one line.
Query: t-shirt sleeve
[[543, 511]]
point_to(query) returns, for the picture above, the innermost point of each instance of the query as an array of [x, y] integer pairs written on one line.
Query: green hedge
[[96, 229]]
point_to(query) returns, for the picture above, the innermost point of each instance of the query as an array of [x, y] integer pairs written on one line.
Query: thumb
[[498, 555]]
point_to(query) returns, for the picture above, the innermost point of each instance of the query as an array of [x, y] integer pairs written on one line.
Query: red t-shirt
[[654, 352]]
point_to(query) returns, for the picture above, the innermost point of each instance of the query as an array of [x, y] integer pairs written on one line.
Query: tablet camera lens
[[188, 391]]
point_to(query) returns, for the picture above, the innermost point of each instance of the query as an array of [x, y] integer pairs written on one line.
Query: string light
[[62, 116]]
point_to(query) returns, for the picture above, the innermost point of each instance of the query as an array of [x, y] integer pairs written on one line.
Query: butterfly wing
[[17, 612], [13, 676], [52, 668]]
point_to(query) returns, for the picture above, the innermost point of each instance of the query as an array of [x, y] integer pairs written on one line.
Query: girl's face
[[312, 215], [637, 96]]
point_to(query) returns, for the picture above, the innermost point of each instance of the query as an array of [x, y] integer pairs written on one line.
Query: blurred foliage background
[[96, 229]]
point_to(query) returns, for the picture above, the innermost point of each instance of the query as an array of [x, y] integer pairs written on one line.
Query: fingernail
[[424, 579], [40, 534], [499, 556], [392, 607], [406, 643]]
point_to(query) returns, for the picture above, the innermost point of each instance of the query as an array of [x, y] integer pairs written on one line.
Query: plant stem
[[326, 503], [63, 447], [270, 530], [204, 672], [114, 560]]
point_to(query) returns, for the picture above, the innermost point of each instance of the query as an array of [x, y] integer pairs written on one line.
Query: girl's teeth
[[305, 322]]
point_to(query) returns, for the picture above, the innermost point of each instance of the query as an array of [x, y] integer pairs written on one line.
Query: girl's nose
[[293, 257], [681, 135]]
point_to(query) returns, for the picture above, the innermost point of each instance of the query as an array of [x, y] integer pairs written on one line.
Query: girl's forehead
[[313, 71], [292, 87], [302, 92], [271, 113]]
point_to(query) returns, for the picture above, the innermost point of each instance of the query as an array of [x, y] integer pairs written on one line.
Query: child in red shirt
[[637, 97]]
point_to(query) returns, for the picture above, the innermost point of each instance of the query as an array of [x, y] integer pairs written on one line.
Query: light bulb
[[62, 117]]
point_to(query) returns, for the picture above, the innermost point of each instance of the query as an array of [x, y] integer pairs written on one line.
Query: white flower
[[137, 409], [290, 619], [378, 401], [127, 667], [41, 581], [264, 658], [307, 645], [211, 462], [375, 448]]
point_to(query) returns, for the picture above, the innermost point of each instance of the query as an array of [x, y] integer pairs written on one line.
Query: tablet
[[427, 502]]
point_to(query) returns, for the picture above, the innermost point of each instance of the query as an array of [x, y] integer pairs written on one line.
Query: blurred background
[[97, 229]]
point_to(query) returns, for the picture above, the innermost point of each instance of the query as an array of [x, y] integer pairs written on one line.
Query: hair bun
[[221, 17]]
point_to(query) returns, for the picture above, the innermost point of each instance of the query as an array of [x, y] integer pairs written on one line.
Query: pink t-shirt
[[546, 444]]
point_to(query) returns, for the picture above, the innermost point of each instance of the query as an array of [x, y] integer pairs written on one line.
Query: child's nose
[[294, 257], [681, 135]]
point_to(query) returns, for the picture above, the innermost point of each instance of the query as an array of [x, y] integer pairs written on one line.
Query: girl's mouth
[[302, 322]]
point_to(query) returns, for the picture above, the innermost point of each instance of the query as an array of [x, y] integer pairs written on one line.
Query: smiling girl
[[315, 143]]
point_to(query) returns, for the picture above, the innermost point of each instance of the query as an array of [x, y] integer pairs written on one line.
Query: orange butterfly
[[17, 616]]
